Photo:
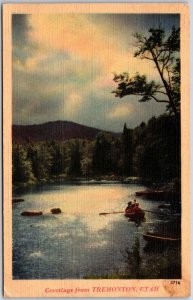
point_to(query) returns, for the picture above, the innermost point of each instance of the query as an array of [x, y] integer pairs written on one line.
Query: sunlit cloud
[[122, 110], [63, 68], [72, 105]]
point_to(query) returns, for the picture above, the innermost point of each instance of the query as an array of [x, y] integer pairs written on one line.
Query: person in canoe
[[137, 209], [128, 209], [133, 210], [134, 203]]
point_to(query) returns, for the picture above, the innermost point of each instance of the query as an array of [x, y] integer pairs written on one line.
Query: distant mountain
[[57, 131]]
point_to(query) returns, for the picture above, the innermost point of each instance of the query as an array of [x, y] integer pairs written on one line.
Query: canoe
[[133, 216], [31, 213], [165, 205], [17, 200], [153, 237], [161, 195]]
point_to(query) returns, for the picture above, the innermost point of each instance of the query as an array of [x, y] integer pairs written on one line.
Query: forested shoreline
[[150, 151]]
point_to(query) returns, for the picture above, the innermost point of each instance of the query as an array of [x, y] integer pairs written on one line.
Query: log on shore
[[56, 211], [31, 213]]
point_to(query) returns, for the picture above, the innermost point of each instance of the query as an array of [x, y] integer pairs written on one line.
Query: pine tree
[[22, 166], [75, 158]]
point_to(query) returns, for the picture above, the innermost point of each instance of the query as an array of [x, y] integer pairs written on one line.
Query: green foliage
[[127, 140], [87, 158], [106, 154], [101, 158], [150, 151], [164, 54], [22, 166], [44, 161], [41, 158], [58, 158], [75, 158], [156, 154], [137, 85]]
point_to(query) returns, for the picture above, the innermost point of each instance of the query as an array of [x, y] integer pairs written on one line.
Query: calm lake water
[[79, 242]]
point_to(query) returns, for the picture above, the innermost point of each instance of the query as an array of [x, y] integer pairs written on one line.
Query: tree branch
[[161, 92], [146, 57], [162, 52], [161, 101], [152, 96]]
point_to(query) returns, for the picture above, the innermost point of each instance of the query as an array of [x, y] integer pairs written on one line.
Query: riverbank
[[63, 178], [158, 191]]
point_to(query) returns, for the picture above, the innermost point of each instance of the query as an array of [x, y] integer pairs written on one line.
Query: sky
[[63, 67]]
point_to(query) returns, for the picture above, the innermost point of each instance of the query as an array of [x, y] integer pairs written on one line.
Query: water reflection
[[79, 243], [134, 260]]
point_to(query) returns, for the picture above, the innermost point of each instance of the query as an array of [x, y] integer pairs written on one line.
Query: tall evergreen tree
[[58, 158], [41, 158], [102, 160], [22, 166], [127, 151], [75, 158]]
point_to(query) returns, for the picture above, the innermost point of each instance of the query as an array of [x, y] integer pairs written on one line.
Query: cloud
[[20, 29], [63, 65], [72, 106], [22, 48], [122, 110], [78, 36]]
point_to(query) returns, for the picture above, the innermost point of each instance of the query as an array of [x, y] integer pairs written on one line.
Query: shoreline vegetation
[[153, 190], [148, 154]]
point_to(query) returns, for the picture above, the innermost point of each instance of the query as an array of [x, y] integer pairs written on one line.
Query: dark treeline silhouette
[[150, 151]]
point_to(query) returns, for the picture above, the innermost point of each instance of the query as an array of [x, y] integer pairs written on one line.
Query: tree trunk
[[172, 104]]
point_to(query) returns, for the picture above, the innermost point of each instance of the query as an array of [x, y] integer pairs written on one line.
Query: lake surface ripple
[[77, 243]]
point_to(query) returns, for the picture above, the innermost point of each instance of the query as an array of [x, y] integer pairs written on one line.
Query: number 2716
[[174, 282]]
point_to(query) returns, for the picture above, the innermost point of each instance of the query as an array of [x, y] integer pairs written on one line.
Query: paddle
[[110, 213], [121, 212]]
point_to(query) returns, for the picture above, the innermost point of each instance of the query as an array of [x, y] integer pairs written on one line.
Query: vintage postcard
[[96, 150]]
